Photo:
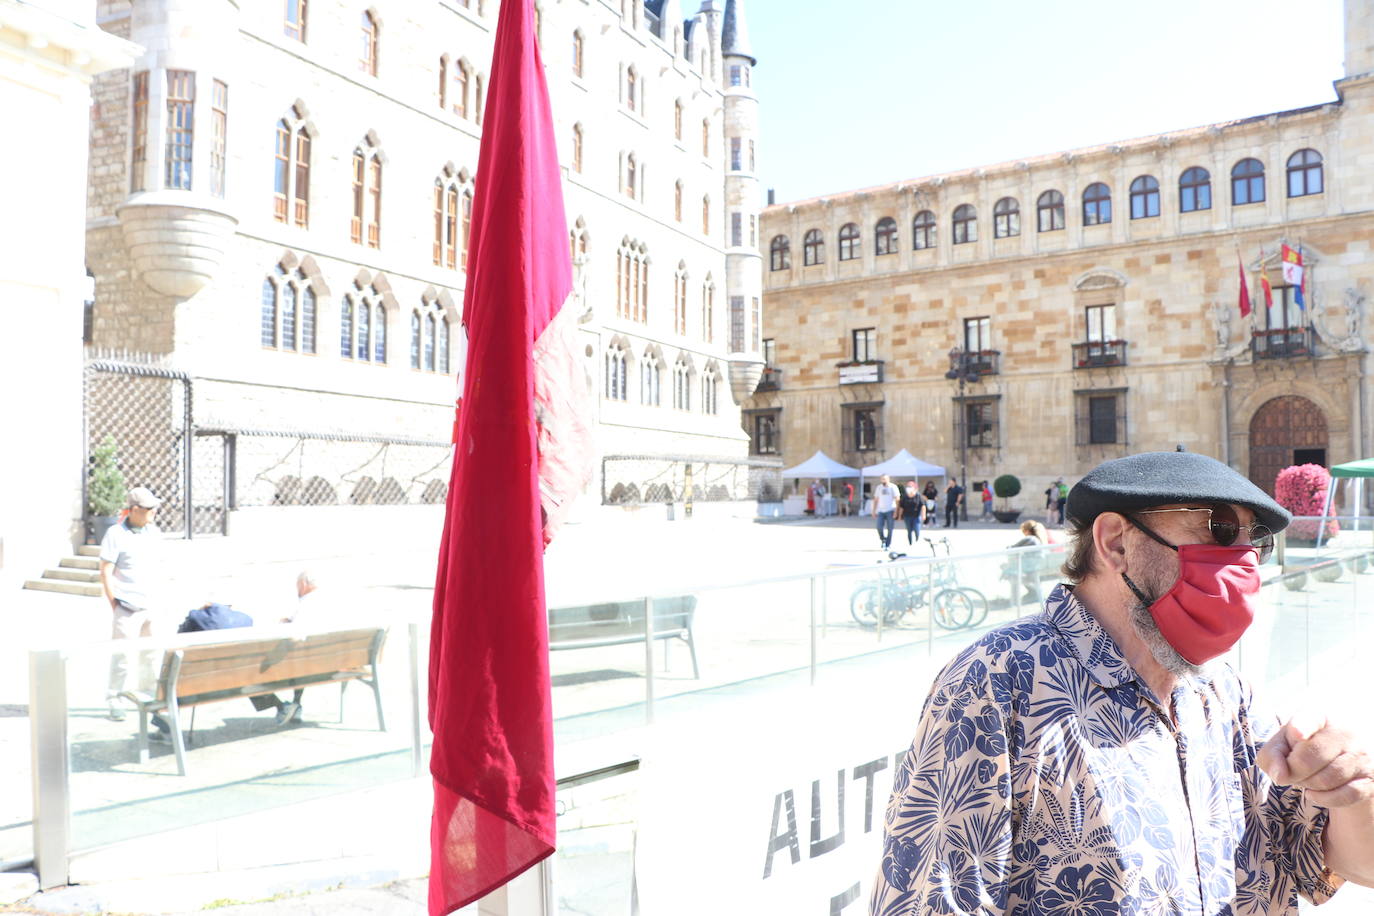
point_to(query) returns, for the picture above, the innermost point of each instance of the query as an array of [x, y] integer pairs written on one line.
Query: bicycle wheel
[[952, 609], [980, 605], [865, 605]]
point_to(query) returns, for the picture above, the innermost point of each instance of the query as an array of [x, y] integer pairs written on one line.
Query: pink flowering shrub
[[1301, 489]]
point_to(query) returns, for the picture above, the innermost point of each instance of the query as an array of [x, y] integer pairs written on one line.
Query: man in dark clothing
[[954, 498]]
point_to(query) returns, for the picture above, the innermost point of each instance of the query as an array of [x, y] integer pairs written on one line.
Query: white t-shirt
[[136, 555], [885, 497]]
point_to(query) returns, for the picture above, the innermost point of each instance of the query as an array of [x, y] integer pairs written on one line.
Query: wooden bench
[[616, 623], [211, 672]]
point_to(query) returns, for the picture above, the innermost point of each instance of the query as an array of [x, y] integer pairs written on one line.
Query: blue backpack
[[214, 617]]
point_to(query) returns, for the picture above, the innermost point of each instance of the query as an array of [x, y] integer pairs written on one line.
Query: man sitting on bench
[[305, 609]]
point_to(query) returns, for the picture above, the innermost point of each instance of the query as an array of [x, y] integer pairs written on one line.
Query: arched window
[[429, 344], [677, 201], [706, 137], [1247, 182], [682, 384], [849, 242], [446, 218], [710, 385], [1049, 212], [1194, 190], [362, 325], [780, 253], [443, 82], [965, 224], [371, 33], [1144, 197], [1304, 173], [813, 248], [466, 216], [632, 281], [677, 120], [444, 344], [632, 88], [923, 230], [617, 373], [680, 299], [462, 83], [706, 215], [288, 310], [1097, 204], [708, 310], [577, 54], [1006, 218], [367, 194], [650, 380], [577, 148], [291, 178], [416, 337], [885, 236]]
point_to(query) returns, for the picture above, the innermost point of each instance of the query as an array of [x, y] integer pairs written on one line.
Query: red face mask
[[1211, 604]]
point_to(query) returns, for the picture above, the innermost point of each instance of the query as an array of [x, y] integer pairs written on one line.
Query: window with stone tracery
[[289, 311]]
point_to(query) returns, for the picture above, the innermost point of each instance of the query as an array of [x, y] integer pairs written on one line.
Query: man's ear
[[1109, 540]]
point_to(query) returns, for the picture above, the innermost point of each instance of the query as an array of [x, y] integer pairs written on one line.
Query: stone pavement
[[386, 558]]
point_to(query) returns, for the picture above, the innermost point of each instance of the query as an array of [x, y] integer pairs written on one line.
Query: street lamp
[[962, 371]]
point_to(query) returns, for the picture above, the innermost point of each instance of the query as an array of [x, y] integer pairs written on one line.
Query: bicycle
[[953, 606]]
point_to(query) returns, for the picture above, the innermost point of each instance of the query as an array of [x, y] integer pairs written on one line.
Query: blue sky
[[856, 93]]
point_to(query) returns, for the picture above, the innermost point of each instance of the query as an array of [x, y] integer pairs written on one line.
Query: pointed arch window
[[650, 380], [965, 224], [706, 215], [813, 248], [371, 35], [708, 310], [462, 79], [465, 212], [293, 22], [923, 230], [1304, 173], [617, 373], [849, 242], [1194, 190], [1145, 197], [631, 173], [632, 281], [291, 176], [362, 325], [429, 337], [1049, 212], [682, 384], [367, 195], [677, 201], [706, 137], [1006, 218], [577, 49], [780, 253], [632, 88], [710, 386], [885, 236], [289, 311], [447, 202], [577, 148], [680, 299], [677, 120]]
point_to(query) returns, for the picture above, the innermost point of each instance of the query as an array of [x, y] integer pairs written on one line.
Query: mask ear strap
[[1149, 533], [1135, 590]]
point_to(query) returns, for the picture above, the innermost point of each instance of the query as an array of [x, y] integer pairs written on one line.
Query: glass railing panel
[[594, 868], [237, 760]]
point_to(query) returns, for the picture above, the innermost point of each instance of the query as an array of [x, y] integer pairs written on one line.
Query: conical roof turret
[[734, 34]]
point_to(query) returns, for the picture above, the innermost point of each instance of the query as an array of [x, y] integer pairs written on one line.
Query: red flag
[[489, 702], [1244, 290]]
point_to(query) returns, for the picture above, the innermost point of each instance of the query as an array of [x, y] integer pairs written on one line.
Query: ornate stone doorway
[[1285, 431]]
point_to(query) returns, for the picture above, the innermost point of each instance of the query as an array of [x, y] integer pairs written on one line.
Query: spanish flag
[[1264, 283]]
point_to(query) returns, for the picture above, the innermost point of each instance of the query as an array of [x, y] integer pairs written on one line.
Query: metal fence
[[639, 479]]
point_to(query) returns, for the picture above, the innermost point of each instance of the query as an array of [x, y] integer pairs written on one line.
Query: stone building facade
[[1039, 316], [279, 200], [49, 53]]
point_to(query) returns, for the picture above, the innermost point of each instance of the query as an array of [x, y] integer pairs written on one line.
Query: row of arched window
[[632, 263], [289, 321], [1304, 177], [618, 366]]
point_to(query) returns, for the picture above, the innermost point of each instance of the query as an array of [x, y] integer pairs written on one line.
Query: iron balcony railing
[[983, 362], [771, 381], [1283, 343], [1095, 354]]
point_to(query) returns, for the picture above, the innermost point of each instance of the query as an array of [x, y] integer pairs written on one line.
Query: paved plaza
[[754, 634]]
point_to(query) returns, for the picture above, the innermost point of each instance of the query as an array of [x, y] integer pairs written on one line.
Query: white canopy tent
[[903, 464], [820, 465]]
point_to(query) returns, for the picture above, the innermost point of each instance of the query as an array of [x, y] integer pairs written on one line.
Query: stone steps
[[79, 562], [61, 585], [74, 575]]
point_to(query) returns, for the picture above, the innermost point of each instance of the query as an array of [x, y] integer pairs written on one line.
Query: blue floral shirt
[[1046, 778]]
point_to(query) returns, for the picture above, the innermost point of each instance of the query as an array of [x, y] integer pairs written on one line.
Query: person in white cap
[[129, 572]]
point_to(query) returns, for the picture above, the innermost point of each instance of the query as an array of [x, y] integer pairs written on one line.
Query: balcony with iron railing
[[771, 380], [1283, 343], [983, 362], [1097, 354]]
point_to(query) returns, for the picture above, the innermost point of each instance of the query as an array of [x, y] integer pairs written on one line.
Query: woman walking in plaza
[[911, 509]]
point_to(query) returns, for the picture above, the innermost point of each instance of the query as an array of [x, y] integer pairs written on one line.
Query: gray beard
[[1145, 627]]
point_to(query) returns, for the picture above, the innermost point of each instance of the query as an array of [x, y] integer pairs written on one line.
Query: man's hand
[[1329, 762]]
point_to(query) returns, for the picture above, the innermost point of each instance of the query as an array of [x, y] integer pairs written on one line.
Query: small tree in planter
[[1301, 489], [105, 491], [1005, 487]]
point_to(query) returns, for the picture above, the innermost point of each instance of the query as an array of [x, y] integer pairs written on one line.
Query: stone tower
[[743, 264]]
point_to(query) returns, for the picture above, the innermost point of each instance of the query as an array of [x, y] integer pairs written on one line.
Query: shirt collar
[[1093, 646]]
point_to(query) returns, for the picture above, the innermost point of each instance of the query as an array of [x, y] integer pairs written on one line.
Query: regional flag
[[489, 694], [1244, 289], [1292, 266]]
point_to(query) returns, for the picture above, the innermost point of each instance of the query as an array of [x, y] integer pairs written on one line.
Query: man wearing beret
[[1096, 760]]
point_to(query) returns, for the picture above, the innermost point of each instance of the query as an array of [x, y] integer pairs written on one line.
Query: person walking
[[954, 498], [987, 501], [1090, 760], [911, 508], [885, 497], [130, 573], [1061, 498], [847, 505], [931, 493]]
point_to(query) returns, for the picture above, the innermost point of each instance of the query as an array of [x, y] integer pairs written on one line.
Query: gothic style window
[[813, 248], [1006, 218], [632, 88], [617, 373], [630, 169], [965, 224], [362, 325], [923, 230], [1304, 173], [706, 136], [650, 381], [677, 201], [219, 134], [849, 242], [885, 236], [288, 311], [682, 385], [632, 281], [1144, 197], [706, 215], [181, 105], [1097, 204], [780, 253], [443, 82], [291, 178], [1194, 190], [677, 120], [710, 384], [367, 57], [293, 23], [1049, 212], [708, 310], [577, 49], [462, 79], [680, 299], [429, 343], [1247, 182], [367, 195], [139, 159], [577, 148], [466, 211], [446, 218]]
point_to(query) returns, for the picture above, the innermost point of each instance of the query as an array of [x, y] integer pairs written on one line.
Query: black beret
[[1160, 478]]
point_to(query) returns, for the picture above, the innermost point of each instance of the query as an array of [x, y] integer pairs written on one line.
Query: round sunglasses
[[1224, 527]]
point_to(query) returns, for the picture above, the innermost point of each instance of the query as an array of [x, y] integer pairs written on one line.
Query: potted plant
[[1004, 488], [1301, 489], [105, 491]]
